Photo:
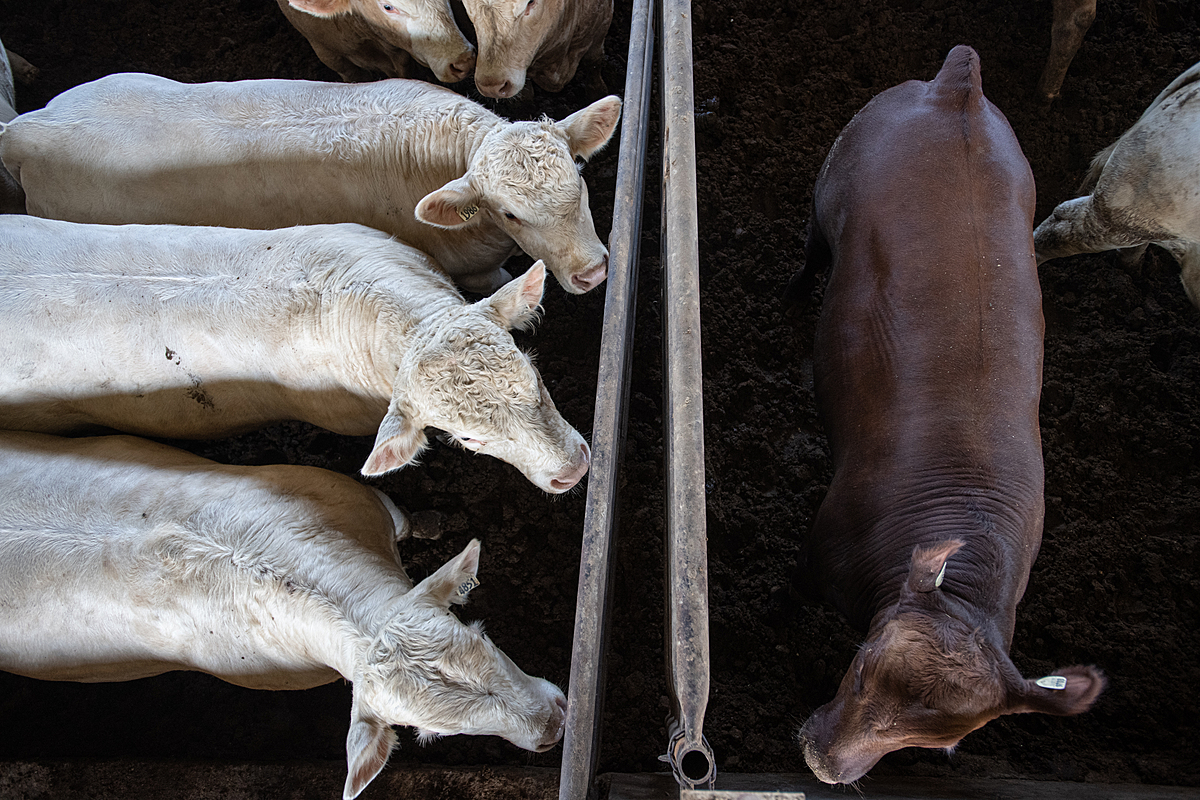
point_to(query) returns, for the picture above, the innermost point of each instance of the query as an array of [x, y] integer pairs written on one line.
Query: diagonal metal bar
[[581, 742]]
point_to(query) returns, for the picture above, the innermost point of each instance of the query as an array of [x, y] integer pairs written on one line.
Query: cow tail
[[1097, 166], [960, 74], [401, 525]]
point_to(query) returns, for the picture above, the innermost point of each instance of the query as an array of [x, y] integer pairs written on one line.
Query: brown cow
[[927, 370]]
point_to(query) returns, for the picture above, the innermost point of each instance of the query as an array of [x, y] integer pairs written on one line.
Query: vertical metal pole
[[687, 550], [581, 742]]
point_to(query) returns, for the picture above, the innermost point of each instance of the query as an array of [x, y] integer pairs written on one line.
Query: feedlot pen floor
[[1117, 583], [322, 780]]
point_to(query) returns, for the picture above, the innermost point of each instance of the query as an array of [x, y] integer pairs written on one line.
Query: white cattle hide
[[195, 332], [416, 160], [12, 198], [121, 559], [359, 38], [544, 40], [1143, 189]]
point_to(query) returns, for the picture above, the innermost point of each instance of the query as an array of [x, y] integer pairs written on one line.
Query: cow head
[[423, 28], [511, 34], [523, 179], [925, 678], [427, 669], [463, 373]]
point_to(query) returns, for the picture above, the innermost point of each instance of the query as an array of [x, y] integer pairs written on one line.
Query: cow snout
[[495, 87], [573, 472], [586, 281], [555, 726], [461, 67], [816, 759]]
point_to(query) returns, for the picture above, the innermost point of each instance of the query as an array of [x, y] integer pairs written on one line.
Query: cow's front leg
[[1188, 256], [1072, 18], [22, 70]]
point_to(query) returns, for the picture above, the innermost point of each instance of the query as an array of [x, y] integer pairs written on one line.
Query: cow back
[[928, 351]]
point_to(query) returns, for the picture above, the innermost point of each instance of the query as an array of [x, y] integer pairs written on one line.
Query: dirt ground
[[1117, 583]]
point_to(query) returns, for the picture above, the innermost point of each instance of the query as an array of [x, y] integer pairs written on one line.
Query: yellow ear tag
[[466, 212]]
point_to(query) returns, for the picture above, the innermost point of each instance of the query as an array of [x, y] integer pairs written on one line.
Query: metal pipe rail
[[687, 654], [581, 742]]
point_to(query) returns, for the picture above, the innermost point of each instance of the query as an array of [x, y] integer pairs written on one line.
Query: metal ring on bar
[[692, 763]]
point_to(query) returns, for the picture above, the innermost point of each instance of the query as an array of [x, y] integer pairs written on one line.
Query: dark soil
[[1117, 583]]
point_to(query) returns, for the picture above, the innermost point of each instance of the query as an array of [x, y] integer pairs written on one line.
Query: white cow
[[419, 161], [359, 38], [121, 559], [12, 199], [544, 40], [1144, 189], [194, 332]]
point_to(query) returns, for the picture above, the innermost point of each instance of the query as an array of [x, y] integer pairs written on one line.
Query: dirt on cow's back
[[1117, 581]]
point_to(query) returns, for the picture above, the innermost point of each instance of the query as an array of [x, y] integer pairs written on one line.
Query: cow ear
[[454, 204], [398, 442], [516, 303], [368, 745], [1069, 691], [454, 579], [321, 8], [929, 565], [589, 129]]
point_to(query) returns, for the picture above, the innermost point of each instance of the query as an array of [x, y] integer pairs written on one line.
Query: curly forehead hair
[[533, 154], [485, 380], [947, 664]]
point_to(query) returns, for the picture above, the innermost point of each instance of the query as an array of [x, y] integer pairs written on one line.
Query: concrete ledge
[[307, 780], [323, 780], [663, 787]]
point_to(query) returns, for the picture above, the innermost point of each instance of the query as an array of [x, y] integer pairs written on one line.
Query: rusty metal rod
[[581, 742], [687, 652]]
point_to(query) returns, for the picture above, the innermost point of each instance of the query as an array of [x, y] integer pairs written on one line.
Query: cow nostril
[[493, 88], [572, 473], [592, 278]]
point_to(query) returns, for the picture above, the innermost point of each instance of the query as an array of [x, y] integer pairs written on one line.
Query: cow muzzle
[[501, 84], [590, 279], [458, 69], [573, 472], [555, 726]]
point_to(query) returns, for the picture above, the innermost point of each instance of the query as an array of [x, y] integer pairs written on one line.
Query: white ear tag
[[466, 586], [1052, 682], [466, 212], [941, 576]]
